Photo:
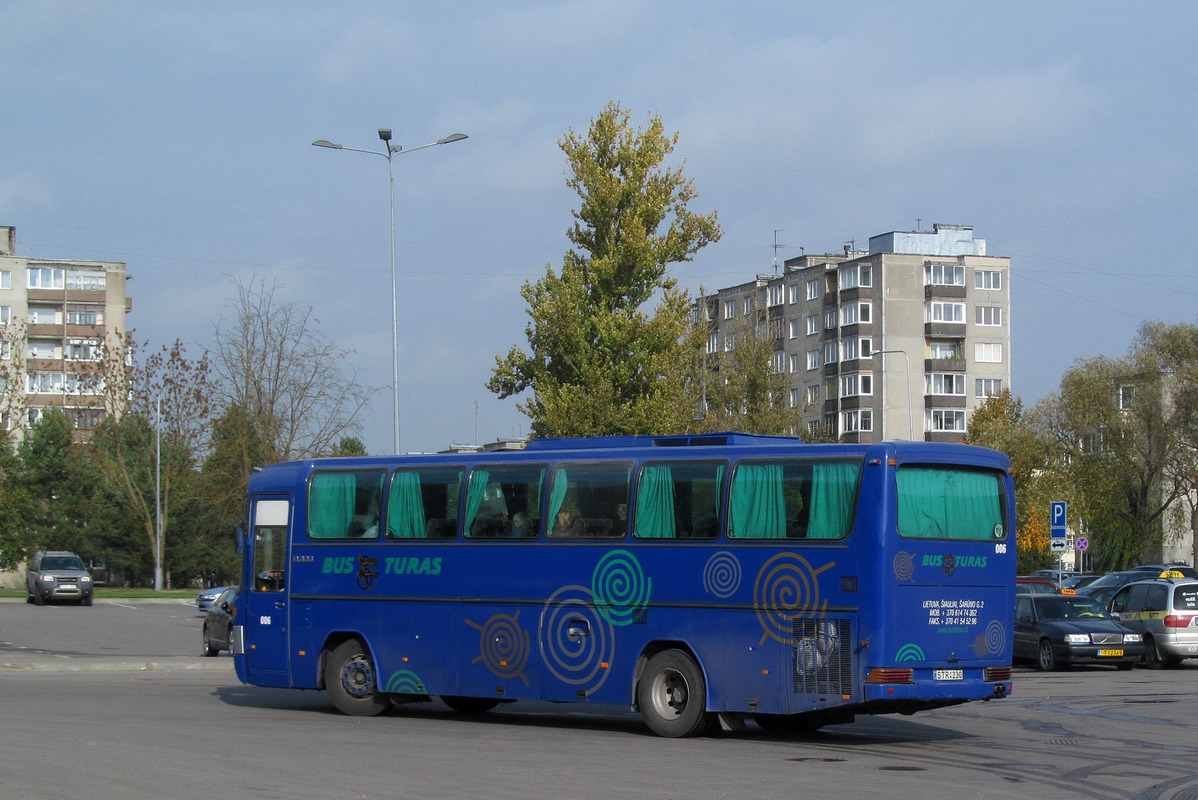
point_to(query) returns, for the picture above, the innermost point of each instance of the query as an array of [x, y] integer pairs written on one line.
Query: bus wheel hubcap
[[358, 677]]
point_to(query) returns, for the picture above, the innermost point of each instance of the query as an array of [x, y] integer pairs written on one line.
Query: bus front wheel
[[672, 695], [351, 681]]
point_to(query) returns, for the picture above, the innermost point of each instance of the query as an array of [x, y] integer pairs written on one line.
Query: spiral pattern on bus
[[404, 682], [904, 565], [910, 652], [577, 642], [787, 588], [620, 587], [503, 646], [992, 642], [721, 575]]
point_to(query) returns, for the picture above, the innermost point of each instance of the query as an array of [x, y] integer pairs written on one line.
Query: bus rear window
[[945, 502], [793, 499], [345, 504]]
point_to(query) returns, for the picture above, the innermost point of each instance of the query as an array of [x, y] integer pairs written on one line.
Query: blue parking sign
[[1057, 518]]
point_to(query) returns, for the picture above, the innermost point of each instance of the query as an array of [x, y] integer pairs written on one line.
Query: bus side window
[[590, 500], [503, 501], [423, 503], [678, 500], [345, 504]]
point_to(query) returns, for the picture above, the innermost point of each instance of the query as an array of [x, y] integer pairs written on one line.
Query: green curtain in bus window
[[833, 490], [655, 504], [557, 496], [331, 505], [937, 503], [405, 507], [757, 506], [475, 493]]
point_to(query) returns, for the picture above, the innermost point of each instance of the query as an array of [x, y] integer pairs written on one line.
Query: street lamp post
[[907, 367], [391, 151], [158, 495]]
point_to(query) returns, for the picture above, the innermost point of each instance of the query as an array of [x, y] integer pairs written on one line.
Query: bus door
[[265, 634]]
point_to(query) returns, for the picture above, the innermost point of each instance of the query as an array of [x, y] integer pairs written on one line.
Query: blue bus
[[696, 579]]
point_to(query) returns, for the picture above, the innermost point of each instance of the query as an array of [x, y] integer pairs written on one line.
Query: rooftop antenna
[[918, 221], [776, 246]]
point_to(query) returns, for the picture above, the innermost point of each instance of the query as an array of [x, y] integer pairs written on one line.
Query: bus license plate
[[949, 674], [1110, 652]]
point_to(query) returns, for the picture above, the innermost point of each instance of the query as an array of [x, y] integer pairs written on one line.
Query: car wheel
[[1045, 658], [209, 650], [1125, 665], [1152, 658], [38, 599], [672, 695], [87, 601], [351, 681]]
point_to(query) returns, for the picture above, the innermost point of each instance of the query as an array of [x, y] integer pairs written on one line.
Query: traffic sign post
[[1057, 526]]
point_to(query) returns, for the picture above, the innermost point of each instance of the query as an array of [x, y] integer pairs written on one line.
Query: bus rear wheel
[[351, 681], [672, 695]]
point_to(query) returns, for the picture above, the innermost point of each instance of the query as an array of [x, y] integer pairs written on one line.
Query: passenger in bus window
[[520, 527], [564, 523]]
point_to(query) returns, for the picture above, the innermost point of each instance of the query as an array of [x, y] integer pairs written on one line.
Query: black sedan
[[1054, 630], [218, 625]]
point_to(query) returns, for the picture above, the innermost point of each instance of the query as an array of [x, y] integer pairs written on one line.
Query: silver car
[[58, 575], [1164, 611]]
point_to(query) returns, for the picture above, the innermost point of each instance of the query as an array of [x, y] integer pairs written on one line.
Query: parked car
[[1076, 582], [1057, 576], [1165, 612], [1032, 585], [58, 575], [1103, 589], [206, 598], [1054, 630], [1160, 569], [218, 625]]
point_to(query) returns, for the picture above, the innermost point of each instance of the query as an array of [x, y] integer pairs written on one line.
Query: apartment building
[[899, 342], [55, 318]]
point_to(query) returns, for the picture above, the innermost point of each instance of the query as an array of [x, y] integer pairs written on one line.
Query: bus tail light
[[1179, 620], [890, 675], [992, 674]]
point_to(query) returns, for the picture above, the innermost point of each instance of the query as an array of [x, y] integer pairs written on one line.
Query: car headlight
[[85, 579], [47, 578], [1132, 638], [1077, 638]]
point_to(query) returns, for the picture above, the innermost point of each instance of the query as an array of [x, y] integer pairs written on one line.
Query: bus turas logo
[[904, 566], [620, 587], [503, 646], [910, 652], [951, 563], [992, 642], [404, 682], [577, 642], [401, 565], [721, 575], [787, 589], [366, 575]]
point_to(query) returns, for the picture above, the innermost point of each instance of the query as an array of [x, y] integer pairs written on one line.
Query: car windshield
[[62, 562], [1069, 608], [1115, 579]]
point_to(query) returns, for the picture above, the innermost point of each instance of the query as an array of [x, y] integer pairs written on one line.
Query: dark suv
[[58, 575]]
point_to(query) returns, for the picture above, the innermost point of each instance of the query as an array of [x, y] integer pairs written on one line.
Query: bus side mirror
[[240, 534]]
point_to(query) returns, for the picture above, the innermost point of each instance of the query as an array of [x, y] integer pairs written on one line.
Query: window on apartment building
[[986, 387], [794, 398], [813, 324], [830, 424], [44, 278], [40, 349], [793, 326], [856, 347], [748, 306], [83, 350], [987, 279], [857, 421], [830, 388], [90, 280], [831, 352], [944, 383], [987, 315], [44, 382], [861, 383], [987, 352], [946, 312], [944, 350], [83, 383], [713, 343], [85, 419], [729, 342], [858, 275], [5, 314], [796, 362], [775, 328], [5, 279], [776, 294], [42, 315], [1127, 396], [792, 293], [830, 316], [83, 315], [854, 313], [942, 420], [944, 275], [34, 415], [813, 289], [729, 309], [778, 363], [813, 394], [813, 359]]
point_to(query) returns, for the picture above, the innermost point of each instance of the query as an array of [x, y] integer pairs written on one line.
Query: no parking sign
[[1082, 543]]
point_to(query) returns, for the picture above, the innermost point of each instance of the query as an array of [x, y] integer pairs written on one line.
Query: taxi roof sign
[[1171, 573]]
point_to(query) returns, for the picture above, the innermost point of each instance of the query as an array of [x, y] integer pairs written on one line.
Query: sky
[[176, 137]]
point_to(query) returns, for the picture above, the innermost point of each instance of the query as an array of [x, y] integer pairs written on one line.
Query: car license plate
[[67, 586], [949, 674], [1110, 652]]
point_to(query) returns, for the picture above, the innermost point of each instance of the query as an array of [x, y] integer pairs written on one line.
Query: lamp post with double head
[[389, 153]]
